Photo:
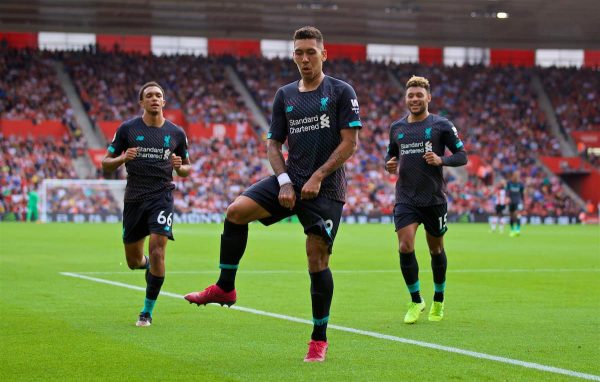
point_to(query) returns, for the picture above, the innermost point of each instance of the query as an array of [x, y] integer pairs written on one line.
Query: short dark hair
[[308, 33], [420, 82], [147, 85]]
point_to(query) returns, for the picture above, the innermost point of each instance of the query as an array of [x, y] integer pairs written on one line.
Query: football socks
[[233, 245]]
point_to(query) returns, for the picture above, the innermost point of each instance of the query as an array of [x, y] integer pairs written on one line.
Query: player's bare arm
[[287, 195], [432, 159], [340, 155], [181, 166], [111, 163], [391, 165]]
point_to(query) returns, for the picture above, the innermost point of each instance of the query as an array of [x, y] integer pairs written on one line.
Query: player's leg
[[435, 228], [235, 236], [321, 294], [513, 213], [134, 255], [28, 214], [406, 220], [494, 221], [501, 219], [320, 218], [135, 230], [439, 265], [259, 202], [158, 219], [155, 277]]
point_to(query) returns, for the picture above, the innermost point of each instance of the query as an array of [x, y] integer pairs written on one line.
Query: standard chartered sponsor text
[[412, 148], [150, 152], [307, 124]]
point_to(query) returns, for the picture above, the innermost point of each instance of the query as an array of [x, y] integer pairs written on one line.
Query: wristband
[[283, 178]]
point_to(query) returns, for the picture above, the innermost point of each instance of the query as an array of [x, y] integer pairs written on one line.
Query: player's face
[[309, 57], [152, 100], [417, 100]]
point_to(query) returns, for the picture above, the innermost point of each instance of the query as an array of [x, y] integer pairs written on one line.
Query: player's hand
[[391, 166], [311, 189], [130, 154], [176, 161], [287, 196], [432, 159]]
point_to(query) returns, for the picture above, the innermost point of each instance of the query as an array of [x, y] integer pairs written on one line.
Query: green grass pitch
[[534, 300]]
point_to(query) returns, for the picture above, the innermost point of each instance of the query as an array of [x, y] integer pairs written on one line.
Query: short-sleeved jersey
[[151, 171], [515, 192], [311, 122], [420, 184]]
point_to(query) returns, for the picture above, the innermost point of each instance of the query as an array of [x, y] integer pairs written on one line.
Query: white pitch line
[[348, 271], [528, 365]]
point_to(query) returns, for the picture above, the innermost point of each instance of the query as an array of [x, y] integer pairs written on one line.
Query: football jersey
[[515, 192], [420, 184], [151, 171], [311, 122]]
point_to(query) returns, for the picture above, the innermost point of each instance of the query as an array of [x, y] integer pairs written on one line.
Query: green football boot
[[436, 313], [414, 311]]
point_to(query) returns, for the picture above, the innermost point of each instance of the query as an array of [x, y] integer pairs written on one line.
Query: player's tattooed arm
[[287, 195], [275, 154], [340, 155]]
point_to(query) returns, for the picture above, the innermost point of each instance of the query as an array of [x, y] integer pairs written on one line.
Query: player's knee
[[157, 252], [135, 263], [317, 263], [235, 214], [317, 252], [406, 247]]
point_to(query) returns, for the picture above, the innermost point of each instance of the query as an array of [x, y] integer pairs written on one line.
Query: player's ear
[[324, 54]]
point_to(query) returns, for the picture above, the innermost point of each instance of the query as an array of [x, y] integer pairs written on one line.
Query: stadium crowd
[[108, 83], [25, 162], [29, 87], [494, 108]]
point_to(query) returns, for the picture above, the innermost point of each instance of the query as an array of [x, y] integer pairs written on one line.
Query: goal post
[[81, 200]]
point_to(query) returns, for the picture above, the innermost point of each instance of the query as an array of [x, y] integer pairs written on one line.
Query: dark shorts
[[320, 216], [512, 207], [149, 216], [500, 208], [433, 217]]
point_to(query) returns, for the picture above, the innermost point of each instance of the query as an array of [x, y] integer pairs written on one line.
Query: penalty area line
[[449, 349]]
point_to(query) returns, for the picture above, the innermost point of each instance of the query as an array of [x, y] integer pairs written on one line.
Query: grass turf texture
[[535, 298]]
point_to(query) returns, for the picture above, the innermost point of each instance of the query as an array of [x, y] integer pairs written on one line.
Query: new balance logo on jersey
[[401, 135], [289, 109], [355, 107], [324, 121], [139, 138]]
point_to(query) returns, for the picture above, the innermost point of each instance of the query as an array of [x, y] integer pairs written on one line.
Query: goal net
[[82, 200]]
